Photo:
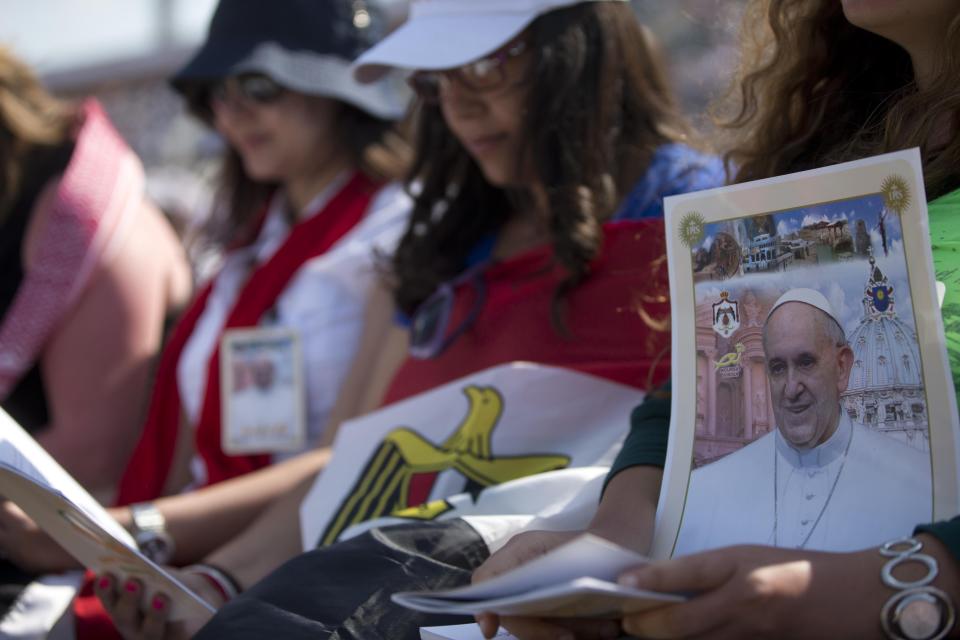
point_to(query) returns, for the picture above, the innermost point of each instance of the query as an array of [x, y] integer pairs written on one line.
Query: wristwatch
[[149, 529]]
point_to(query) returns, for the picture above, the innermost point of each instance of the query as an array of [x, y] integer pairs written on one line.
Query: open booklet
[[36, 483], [575, 579]]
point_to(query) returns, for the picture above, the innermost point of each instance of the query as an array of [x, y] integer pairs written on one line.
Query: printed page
[[93, 545], [34, 481], [576, 579], [21, 452]]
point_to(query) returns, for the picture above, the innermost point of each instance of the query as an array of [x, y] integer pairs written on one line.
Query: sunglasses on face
[[485, 74], [253, 88]]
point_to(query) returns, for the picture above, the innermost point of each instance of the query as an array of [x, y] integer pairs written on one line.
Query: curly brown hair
[[813, 89], [599, 105], [31, 122]]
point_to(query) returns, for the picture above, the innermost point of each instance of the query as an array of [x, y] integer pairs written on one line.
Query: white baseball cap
[[811, 297], [443, 34]]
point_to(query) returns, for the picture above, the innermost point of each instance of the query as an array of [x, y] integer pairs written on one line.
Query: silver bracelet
[[917, 611], [224, 583]]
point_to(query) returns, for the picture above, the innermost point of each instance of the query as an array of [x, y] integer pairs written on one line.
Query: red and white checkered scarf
[[98, 194]]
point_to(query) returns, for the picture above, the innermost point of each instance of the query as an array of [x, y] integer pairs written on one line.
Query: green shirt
[[646, 444], [944, 215]]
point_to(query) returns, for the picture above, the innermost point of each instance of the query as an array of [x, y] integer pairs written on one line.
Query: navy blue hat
[[304, 45]]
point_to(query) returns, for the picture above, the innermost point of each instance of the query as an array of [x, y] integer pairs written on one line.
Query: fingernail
[[104, 583], [131, 586], [159, 604]]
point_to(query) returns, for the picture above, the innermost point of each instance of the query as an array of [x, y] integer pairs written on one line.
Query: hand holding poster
[[813, 406], [812, 403]]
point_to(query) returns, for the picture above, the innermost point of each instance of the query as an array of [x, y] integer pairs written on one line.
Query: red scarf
[[147, 470], [146, 473]]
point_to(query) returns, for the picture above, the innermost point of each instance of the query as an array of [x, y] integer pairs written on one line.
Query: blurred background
[[121, 52]]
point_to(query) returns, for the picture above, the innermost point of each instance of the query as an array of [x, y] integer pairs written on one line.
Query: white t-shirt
[[324, 302]]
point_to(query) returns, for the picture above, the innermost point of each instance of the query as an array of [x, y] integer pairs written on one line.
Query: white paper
[[36, 483], [263, 400], [575, 579], [21, 452], [460, 632]]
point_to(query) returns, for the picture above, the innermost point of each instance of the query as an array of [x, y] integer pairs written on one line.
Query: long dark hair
[[814, 89], [375, 147], [599, 105]]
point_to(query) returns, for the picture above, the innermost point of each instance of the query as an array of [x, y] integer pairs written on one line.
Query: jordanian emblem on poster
[[726, 315]]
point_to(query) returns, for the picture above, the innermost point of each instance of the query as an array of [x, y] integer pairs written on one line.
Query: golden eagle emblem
[[402, 471]]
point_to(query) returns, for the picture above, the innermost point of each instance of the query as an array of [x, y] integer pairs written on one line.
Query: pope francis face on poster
[[819, 480], [808, 366]]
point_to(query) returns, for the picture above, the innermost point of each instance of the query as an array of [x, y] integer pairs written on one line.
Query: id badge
[[263, 403]]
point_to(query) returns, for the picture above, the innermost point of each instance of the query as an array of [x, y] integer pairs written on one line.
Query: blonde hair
[[30, 118]]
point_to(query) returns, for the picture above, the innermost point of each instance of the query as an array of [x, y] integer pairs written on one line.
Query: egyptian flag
[[419, 493]]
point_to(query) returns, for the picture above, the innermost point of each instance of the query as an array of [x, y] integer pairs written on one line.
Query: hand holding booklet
[[576, 579], [37, 484]]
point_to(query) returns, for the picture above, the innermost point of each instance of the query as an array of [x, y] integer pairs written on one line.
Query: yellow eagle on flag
[[401, 473]]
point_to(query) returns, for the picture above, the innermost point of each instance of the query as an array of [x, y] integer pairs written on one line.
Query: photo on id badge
[[809, 324], [262, 391]]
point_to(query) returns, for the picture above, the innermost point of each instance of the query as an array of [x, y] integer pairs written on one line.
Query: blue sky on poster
[[843, 283]]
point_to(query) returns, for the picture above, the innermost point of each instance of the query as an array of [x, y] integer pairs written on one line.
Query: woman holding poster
[[857, 78]]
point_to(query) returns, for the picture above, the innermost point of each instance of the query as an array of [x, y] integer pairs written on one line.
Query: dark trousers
[[342, 592]]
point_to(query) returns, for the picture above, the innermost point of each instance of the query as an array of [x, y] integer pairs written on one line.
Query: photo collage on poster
[[810, 379]]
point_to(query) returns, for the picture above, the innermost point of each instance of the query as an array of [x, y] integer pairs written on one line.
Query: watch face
[[155, 546], [919, 617]]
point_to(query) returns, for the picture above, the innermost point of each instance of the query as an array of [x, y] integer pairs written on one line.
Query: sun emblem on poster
[[726, 315], [691, 229], [896, 193]]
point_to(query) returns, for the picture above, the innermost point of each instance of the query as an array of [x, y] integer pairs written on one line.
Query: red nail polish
[[131, 586], [104, 583], [159, 604]]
